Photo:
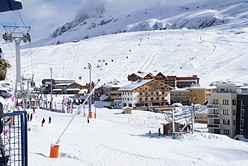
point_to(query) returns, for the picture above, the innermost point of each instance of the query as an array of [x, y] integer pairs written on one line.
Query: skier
[[42, 122], [88, 119], [150, 133], [31, 117], [50, 119]]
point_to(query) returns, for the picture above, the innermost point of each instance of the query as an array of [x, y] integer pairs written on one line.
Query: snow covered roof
[[134, 85]]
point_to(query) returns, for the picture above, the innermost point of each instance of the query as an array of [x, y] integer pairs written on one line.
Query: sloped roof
[[134, 85]]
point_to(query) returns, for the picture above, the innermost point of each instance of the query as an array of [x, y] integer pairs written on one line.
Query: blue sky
[[43, 16]]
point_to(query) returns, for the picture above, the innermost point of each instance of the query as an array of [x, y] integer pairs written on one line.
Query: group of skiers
[[43, 121]]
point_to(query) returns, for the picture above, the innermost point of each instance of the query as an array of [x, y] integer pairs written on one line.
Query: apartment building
[[242, 112], [222, 110], [194, 94]]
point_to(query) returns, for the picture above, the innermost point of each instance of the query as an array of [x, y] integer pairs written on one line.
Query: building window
[[225, 112], [140, 99], [226, 132], [146, 98], [242, 112], [225, 102], [234, 112], [140, 93], [216, 121], [234, 102], [244, 90], [215, 101], [216, 111], [226, 122], [234, 122]]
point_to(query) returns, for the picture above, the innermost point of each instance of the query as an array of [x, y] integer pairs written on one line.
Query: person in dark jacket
[[42, 122]]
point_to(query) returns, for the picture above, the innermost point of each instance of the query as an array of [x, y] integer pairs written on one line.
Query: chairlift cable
[[20, 17]]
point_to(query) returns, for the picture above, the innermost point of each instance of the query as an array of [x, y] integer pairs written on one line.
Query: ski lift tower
[[17, 34]]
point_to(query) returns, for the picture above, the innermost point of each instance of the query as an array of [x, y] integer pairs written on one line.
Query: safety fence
[[14, 151]]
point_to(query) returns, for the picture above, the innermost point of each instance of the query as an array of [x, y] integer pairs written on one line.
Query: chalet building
[[60, 86], [173, 81], [139, 76], [109, 93], [145, 93], [222, 110]]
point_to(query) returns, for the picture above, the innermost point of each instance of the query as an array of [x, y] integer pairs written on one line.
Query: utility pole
[[90, 98], [51, 104], [16, 34], [193, 117]]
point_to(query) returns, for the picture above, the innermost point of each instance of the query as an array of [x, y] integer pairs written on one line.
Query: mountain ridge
[[97, 21]]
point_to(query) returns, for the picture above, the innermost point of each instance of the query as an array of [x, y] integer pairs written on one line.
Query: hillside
[[211, 54]]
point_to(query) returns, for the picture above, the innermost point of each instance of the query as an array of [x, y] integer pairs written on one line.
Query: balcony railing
[[213, 106], [213, 116], [214, 126]]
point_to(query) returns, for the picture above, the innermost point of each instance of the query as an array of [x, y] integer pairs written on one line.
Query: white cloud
[[42, 16]]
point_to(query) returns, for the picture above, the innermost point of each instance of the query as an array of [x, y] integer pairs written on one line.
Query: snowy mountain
[[216, 53], [98, 18]]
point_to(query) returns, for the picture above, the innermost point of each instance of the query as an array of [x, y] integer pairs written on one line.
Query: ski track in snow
[[148, 61], [210, 55]]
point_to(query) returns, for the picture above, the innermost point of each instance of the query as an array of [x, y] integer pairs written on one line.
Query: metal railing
[[14, 139]]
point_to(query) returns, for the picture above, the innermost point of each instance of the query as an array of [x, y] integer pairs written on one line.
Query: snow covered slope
[[211, 54]]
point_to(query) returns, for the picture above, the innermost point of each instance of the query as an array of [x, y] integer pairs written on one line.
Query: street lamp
[[51, 88], [90, 98]]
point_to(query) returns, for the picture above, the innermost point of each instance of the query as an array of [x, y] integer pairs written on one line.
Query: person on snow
[[4, 65], [50, 119], [159, 131], [88, 119], [42, 122], [31, 117]]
